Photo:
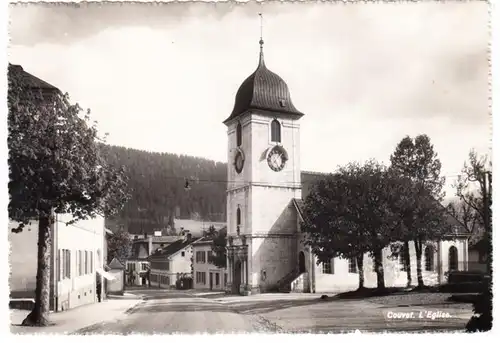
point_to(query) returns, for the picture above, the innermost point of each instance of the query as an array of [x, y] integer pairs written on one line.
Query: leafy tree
[[349, 213], [219, 241], [425, 219], [210, 232], [55, 167], [119, 246]]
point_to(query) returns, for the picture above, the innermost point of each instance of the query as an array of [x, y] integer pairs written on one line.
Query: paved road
[[178, 314], [185, 312]]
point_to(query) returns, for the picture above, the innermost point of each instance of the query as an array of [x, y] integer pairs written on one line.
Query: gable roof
[[116, 264], [139, 251], [173, 248], [299, 206], [29, 80]]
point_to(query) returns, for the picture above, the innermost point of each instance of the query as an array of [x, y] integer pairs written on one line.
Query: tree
[[219, 241], [425, 219], [55, 167], [349, 213], [473, 188], [119, 246], [210, 232], [465, 214]]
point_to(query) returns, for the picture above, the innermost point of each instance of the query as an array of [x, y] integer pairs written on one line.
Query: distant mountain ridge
[[157, 185]]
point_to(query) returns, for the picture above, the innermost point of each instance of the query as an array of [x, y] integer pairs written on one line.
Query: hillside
[[157, 184]]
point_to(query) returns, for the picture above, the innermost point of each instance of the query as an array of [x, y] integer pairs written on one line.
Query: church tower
[[263, 179]]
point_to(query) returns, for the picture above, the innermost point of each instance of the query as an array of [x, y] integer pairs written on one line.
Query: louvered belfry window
[[275, 131]]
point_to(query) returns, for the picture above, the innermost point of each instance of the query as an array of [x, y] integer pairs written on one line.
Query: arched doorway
[[237, 277], [302, 262], [452, 259]]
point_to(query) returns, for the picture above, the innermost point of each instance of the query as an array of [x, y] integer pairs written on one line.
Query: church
[[265, 250]]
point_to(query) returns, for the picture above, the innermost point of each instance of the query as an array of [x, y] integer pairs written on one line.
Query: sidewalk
[[72, 320]]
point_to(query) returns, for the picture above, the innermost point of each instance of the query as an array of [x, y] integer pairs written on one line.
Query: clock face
[[276, 158], [238, 162]]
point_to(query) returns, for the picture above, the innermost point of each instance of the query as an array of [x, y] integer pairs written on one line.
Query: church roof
[[263, 90]]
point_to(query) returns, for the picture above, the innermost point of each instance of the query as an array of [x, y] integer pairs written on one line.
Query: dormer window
[[238, 135], [282, 102], [275, 131]]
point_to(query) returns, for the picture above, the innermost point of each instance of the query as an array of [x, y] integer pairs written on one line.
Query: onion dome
[[264, 90]]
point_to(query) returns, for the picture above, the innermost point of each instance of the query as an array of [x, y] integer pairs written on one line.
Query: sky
[[163, 77]]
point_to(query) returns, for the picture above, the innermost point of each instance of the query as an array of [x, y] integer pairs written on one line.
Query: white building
[[264, 199], [172, 262], [76, 262], [206, 275]]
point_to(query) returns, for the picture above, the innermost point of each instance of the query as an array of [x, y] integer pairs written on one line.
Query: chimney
[[188, 237], [150, 245]]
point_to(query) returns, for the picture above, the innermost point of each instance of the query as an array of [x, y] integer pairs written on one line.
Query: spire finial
[[261, 41]]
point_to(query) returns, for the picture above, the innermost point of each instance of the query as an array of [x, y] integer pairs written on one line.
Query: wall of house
[[342, 280], [207, 268], [72, 287], [178, 264], [77, 278], [475, 262]]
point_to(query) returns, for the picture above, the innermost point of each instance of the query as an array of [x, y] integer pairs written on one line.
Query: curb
[[133, 308]]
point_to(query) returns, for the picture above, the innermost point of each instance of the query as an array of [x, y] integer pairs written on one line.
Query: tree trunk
[[361, 271], [407, 260], [38, 316], [418, 252], [380, 270]]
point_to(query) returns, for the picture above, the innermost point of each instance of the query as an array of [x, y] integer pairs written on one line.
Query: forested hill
[[157, 185]]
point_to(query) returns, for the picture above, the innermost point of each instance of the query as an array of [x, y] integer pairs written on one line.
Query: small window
[[353, 267], [328, 267], [238, 135], [183, 253]]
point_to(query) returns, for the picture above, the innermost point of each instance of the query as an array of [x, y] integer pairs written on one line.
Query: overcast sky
[[164, 77]]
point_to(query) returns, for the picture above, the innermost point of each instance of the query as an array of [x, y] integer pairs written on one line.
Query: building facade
[[264, 196], [171, 263], [206, 275], [76, 262]]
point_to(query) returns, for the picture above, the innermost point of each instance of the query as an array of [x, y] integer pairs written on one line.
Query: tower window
[[238, 135], [238, 219], [275, 131]]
